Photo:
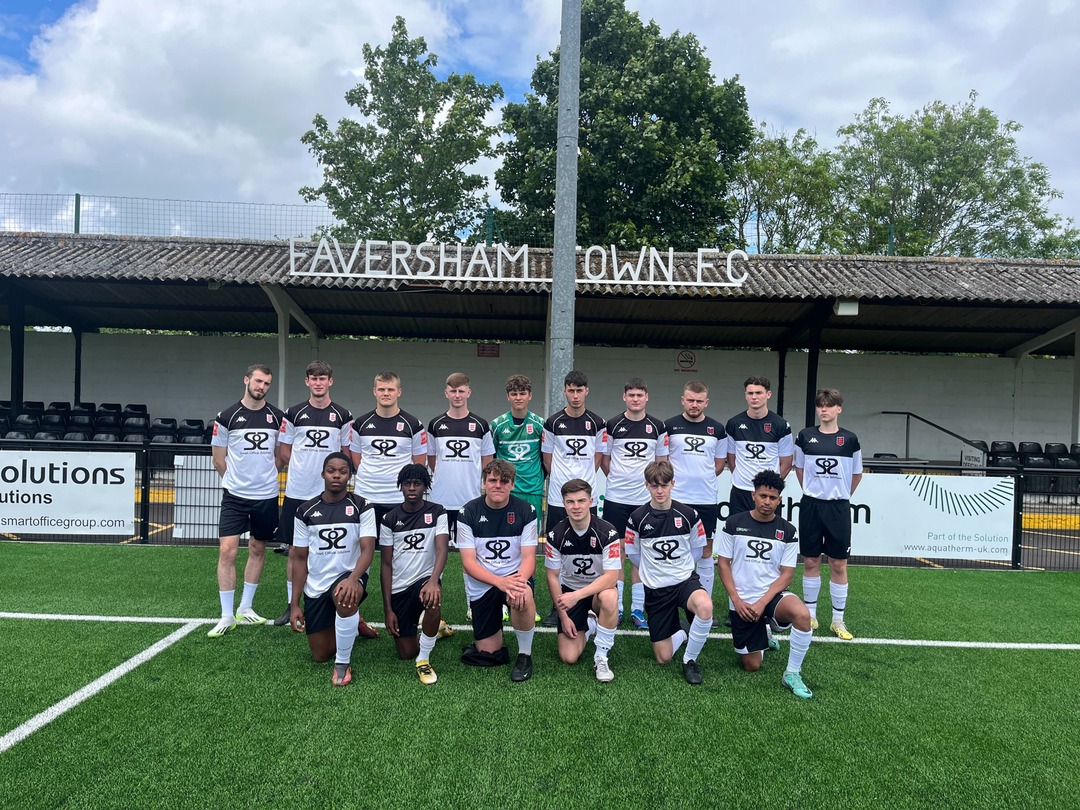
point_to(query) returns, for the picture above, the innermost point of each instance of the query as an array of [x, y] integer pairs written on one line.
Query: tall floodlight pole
[[560, 336]]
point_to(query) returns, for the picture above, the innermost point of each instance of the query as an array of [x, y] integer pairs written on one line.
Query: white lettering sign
[[602, 264]]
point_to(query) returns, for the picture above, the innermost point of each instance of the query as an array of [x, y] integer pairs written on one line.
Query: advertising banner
[[67, 493]]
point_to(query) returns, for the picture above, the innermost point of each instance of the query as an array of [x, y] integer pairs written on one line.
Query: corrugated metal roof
[[906, 304]]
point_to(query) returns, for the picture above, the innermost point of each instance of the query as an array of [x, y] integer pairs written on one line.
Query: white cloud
[[208, 100]]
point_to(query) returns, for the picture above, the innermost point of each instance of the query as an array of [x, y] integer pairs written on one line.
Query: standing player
[[244, 454], [697, 449], [583, 563], [828, 462], [459, 447], [631, 440], [309, 432], [497, 539], [333, 544], [517, 436], [758, 440], [414, 541], [572, 447], [664, 539], [757, 558], [383, 441]]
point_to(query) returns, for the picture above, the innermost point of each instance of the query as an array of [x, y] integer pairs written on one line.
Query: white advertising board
[[67, 493]]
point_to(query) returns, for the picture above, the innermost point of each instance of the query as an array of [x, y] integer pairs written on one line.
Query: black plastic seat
[[1055, 449], [33, 406], [81, 421], [136, 409], [27, 422], [60, 406], [136, 424], [107, 420], [981, 445], [136, 438], [192, 439], [1029, 449], [85, 407], [105, 436], [1036, 482], [114, 407], [54, 420], [17, 434], [76, 436], [1004, 460], [1002, 448], [47, 436], [1068, 481]]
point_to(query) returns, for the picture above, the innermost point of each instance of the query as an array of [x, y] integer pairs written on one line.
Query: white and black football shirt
[[693, 448], [385, 444], [573, 442], [499, 537], [331, 533], [250, 438], [757, 444], [412, 536], [581, 558], [459, 446], [757, 552], [314, 433], [632, 445], [828, 461], [665, 545]]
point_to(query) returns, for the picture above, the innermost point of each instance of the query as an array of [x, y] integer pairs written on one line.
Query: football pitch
[[960, 691]]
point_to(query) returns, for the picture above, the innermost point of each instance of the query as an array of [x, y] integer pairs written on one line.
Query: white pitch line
[[78, 617], [56, 710], [467, 628]]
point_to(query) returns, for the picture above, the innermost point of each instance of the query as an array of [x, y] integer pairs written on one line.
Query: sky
[[208, 99]]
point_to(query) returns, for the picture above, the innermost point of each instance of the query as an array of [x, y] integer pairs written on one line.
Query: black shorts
[[487, 612], [381, 509], [824, 527], [319, 611], [408, 607], [740, 500], [579, 613], [662, 607], [749, 637], [240, 515], [618, 513], [286, 523], [708, 514], [452, 516], [557, 514]]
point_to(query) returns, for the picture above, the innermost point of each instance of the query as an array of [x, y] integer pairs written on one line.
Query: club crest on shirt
[[510, 517], [269, 419], [427, 519], [779, 534], [529, 429], [333, 416], [400, 426], [472, 427], [593, 542], [839, 441], [648, 429], [588, 425], [712, 431], [350, 511], [768, 428], [678, 523]]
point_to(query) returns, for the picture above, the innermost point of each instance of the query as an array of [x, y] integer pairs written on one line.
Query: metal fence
[[178, 493], [134, 216]]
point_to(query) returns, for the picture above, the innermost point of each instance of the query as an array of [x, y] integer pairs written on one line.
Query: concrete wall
[[183, 376]]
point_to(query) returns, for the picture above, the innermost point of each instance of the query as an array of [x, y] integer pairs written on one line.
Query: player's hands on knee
[[568, 627], [431, 595], [347, 594], [565, 601]]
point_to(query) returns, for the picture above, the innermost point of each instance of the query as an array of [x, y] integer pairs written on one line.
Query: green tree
[[950, 180], [658, 138], [783, 195], [402, 172]]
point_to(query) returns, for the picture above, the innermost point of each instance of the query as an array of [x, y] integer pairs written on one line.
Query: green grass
[[249, 720]]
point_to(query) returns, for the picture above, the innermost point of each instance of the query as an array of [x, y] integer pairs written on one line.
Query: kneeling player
[[333, 544], [757, 557], [497, 539], [665, 539], [414, 541], [583, 563]]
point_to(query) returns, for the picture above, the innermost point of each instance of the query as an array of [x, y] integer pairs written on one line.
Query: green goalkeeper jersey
[[520, 445]]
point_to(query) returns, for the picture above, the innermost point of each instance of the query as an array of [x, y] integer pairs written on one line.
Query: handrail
[[907, 435]]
